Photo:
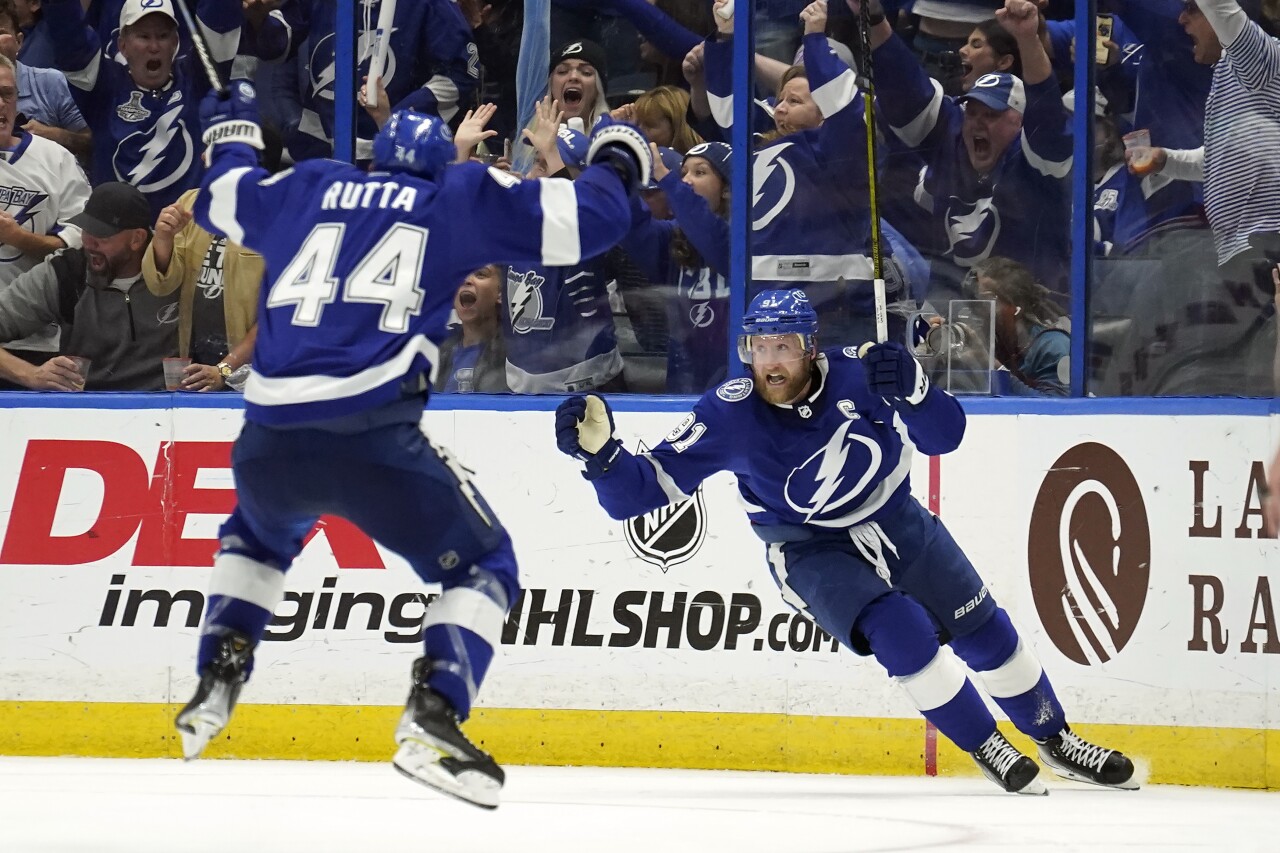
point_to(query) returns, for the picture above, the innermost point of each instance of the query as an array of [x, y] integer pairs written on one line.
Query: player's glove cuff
[[599, 463], [233, 130]]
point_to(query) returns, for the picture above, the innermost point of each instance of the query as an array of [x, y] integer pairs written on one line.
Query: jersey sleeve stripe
[[668, 485], [292, 390], [222, 46], [223, 197], [836, 94], [721, 109], [561, 244], [918, 128], [86, 78], [1049, 168]]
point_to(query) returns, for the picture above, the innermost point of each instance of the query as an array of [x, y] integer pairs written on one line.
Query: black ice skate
[[220, 682], [1001, 762], [1073, 757], [434, 751]]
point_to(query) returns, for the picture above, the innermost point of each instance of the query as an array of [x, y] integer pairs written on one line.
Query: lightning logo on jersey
[[524, 296], [973, 229], [775, 183], [157, 157], [821, 484], [322, 67], [22, 204]]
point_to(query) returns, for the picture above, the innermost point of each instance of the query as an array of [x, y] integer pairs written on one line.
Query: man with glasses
[[821, 445]]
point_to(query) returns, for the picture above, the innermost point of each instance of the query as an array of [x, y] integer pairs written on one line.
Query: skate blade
[[1034, 788], [421, 762]]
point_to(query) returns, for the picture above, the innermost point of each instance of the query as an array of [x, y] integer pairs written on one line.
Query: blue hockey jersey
[[361, 268], [432, 63], [698, 309], [148, 138], [558, 328], [839, 458], [1022, 209], [811, 219]]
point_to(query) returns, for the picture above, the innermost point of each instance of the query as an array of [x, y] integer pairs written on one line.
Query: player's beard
[[797, 382]]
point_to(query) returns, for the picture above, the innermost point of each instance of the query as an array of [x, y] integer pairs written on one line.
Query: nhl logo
[[671, 534]]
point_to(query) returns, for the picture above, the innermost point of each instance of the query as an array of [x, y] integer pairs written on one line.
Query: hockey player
[[361, 272], [143, 113], [821, 444]]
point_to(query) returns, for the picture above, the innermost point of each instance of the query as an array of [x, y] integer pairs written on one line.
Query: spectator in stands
[[557, 320], [41, 189], [811, 220], [990, 49], [662, 115], [37, 42], [474, 357], [1032, 334], [96, 292], [999, 157], [690, 257], [578, 78], [144, 113], [431, 67], [43, 96]]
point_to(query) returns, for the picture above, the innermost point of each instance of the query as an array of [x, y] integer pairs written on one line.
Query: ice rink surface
[[81, 805]]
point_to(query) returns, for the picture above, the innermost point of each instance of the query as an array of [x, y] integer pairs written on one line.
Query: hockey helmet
[[778, 312], [416, 143]]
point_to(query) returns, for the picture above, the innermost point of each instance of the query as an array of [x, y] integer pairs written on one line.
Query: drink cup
[[175, 370], [1141, 157], [82, 366]]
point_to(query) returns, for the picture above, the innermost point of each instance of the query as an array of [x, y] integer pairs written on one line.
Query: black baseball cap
[[113, 207]]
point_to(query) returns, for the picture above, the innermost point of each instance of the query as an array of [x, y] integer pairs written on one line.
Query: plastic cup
[[175, 370], [1141, 158], [82, 366]]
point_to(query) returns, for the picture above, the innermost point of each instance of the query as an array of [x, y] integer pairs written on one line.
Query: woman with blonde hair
[[661, 114]]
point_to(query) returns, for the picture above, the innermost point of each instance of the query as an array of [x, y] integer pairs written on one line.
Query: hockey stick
[[867, 82], [202, 47], [381, 45]]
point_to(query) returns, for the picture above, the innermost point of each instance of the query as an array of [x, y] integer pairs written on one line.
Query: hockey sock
[[243, 593], [1011, 674], [904, 640], [463, 626]]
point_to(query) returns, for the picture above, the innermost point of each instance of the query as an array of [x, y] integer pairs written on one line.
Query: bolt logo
[[834, 475], [526, 302], [973, 228], [671, 534], [1089, 553], [156, 157], [775, 184]]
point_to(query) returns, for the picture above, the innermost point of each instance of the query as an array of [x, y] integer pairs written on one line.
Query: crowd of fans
[[104, 275]]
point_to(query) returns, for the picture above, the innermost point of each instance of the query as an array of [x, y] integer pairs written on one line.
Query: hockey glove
[[894, 374], [231, 117], [626, 149], [584, 430]]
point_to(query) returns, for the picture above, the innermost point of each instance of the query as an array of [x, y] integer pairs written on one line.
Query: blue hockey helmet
[[416, 143], [778, 312]]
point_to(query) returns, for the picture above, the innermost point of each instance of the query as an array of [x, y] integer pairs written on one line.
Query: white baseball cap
[[135, 10]]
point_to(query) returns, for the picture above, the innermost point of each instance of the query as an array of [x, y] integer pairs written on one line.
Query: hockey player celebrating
[[361, 268], [846, 542]]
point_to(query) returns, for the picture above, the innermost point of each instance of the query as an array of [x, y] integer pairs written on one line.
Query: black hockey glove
[[894, 374], [584, 430]]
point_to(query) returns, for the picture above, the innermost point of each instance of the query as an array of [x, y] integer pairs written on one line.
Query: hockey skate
[[1073, 757], [208, 711], [1001, 762], [434, 751]]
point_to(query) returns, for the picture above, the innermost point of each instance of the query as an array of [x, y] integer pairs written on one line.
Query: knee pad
[[1003, 663], [495, 574], [900, 633]]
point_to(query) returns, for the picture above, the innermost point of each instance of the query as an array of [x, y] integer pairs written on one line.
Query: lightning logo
[[23, 205], [143, 158], [819, 485], [525, 299], [973, 229], [767, 162], [322, 58]]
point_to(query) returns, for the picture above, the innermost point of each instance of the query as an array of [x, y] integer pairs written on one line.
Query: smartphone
[[1105, 23]]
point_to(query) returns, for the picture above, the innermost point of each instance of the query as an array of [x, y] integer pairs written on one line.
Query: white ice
[[80, 805]]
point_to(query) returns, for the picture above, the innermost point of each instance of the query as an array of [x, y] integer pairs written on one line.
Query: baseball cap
[[113, 207], [718, 154], [998, 91], [135, 10], [671, 158], [584, 49]]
